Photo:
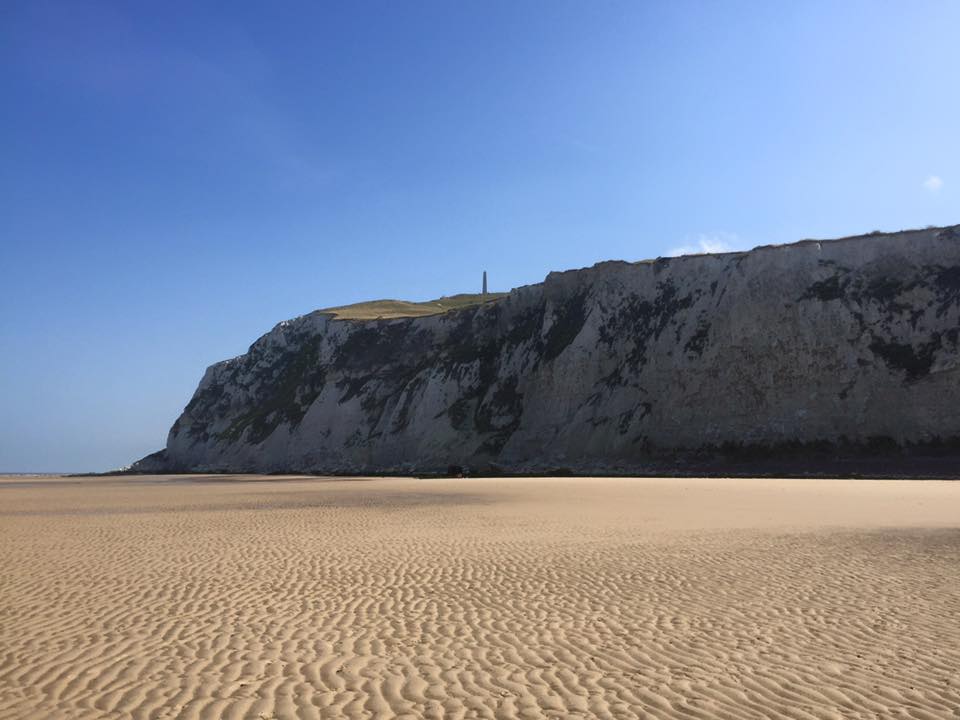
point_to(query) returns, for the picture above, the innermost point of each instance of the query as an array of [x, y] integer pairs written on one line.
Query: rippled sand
[[209, 597]]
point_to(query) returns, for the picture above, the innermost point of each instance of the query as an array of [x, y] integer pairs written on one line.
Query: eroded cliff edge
[[840, 347]]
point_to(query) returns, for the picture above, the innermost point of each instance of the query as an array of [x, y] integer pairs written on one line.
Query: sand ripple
[[508, 600]]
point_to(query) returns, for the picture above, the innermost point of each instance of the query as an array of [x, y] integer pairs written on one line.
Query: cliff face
[[849, 344]]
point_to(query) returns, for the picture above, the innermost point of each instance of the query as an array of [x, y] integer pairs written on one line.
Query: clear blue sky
[[176, 178]]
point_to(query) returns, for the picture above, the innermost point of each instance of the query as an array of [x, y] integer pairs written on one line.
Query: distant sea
[[31, 474]]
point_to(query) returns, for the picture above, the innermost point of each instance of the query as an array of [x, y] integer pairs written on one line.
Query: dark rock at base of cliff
[[152, 464], [877, 459]]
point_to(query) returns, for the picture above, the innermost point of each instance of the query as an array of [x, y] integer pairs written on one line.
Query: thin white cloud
[[933, 183], [718, 242]]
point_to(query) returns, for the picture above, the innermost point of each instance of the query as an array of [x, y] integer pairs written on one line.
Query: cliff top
[[395, 309], [389, 309]]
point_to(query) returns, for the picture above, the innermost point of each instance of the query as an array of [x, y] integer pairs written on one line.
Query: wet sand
[[275, 597]]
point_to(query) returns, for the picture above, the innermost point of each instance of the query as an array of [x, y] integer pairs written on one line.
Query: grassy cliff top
[[389, 309]]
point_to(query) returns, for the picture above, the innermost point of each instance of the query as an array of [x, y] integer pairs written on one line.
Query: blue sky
[[176, 178]]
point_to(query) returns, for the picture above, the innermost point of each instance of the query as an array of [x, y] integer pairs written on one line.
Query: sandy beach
[[286, 597]]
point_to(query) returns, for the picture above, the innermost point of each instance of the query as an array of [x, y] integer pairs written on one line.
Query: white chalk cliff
[[846, 345]]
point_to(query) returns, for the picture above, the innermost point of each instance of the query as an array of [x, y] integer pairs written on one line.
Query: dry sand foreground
[[244, 597]]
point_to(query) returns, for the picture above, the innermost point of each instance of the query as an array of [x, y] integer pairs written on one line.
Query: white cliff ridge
[[836, 346]]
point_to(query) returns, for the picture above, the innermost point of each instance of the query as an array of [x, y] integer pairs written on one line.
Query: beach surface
[[301, 597]]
